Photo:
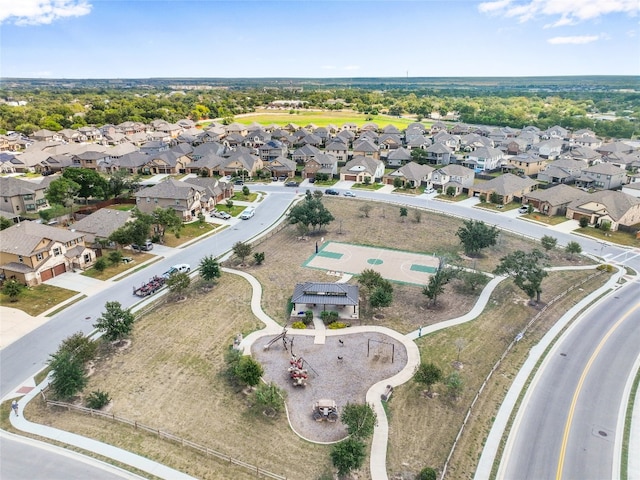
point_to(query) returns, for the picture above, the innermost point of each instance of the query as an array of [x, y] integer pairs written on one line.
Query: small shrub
[[427, 473], [115, 257], [97, 399], [308, 317], [299, 325], [336, 325], [329, 317], [101, 264], [584, 222]]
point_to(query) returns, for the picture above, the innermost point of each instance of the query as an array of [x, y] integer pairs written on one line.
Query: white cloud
[[569, 11], [578, 40], [39, 12]]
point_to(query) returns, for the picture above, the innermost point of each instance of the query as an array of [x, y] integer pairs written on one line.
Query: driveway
[[76, 282]]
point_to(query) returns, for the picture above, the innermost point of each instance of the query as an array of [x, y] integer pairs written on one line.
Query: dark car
[[291, 184], [238, 182], [331, 191]]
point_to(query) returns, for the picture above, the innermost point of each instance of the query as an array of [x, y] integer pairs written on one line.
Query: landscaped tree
[[92, 184], [80, 346], [241, 250], [428, 374], [270, 397], [68, 376], [310, 212], [526, 269], [5, 223], [369, 278], [318, 194], [245, 191], [382, 295], [436, 284], [454, 385], [248, 371], [101, 264], [12, 289], [584, 222], [164, 219], [365, 209], [476, 235], [427, 473], [360, 419], [397, 182], [348, 455], [209, 268], [548, 242], [417, 215], [118, 182], [61, 191], [471, 280], [258, 257], [403, 213], [178, 283], [115, 323], [573, 248]]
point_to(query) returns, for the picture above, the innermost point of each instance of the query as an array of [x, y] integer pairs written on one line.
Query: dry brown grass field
[[170, 376]]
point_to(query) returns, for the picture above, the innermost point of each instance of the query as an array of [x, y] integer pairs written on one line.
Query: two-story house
[[457, 177], [361, 168], [411, 175], [602, 176], [32, 253], [322, 163], [182, 197], [20, 196]]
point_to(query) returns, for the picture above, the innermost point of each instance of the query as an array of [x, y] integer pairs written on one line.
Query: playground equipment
[[151, 287], [282, 336], [325, 409], [297, 372]]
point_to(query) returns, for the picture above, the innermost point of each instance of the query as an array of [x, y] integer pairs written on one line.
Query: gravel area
[[344, 380]]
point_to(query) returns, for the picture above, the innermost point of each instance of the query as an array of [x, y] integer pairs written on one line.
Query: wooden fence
[[260, 472], [499, 362]]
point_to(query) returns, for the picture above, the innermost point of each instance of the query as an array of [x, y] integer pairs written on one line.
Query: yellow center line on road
[[574, 401]]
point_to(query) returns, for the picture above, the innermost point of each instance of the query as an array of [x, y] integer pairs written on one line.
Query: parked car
[[523, 209], [429, 190], [180, 268], [218, 214], [248, 213], [291, 184], [238, 182], [331, 191], [282, 178], [312, 180], [349, 193], [144, 247]]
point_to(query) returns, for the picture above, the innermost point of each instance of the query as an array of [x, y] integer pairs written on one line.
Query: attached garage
[[49, 273], [351, 178]]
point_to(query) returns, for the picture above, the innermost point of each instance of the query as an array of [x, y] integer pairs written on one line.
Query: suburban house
[[563, 170], [398, 157], [340, 297], [440, 154], [89, 159], [549, 149], [617, 208], [553, 201], [366, 148], [322, 163], [213, 191], [509, 187], [169, 162], [241, 162], [486, 158], [453, 176], [21, 196], [281, 167], [632, 189], [360, 168], [602, 176], [588, 155], [32, 253], [99, 225], [272, 150], [130, 162], [525, 164], [183, 197], [305, 153], [338, 149], [411, 175]]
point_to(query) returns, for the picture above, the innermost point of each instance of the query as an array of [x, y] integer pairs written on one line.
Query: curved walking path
[[379, 443]]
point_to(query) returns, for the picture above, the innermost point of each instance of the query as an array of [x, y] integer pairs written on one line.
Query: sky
[[318, 39]]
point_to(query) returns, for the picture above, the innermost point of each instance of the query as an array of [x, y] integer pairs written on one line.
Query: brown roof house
[[183, 197], [606, 206], [321, 296], [412, 175], [360, 168], [525, 164], [33, 253], [508, 186], [553, 201], [322, 163]]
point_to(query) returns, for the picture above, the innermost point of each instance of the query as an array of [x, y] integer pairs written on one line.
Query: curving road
[[26, 356]]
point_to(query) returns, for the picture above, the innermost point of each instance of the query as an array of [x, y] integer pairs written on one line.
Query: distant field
[[321, 118]]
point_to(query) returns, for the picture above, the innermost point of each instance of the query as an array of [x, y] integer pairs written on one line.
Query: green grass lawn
[[325, 183], [125, 207], [410, 191], [370, 186], [114, 269], [547, 220], [38, 299], [233, 211], [244, 198], [188, 232], [459, 198], [621, 238]]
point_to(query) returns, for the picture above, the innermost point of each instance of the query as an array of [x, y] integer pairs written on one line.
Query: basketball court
[[395, 265]]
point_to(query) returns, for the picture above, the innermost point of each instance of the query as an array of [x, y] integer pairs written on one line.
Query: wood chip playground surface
[[395, 265]]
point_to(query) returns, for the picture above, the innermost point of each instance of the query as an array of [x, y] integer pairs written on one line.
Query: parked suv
[[144, 247], [248, 213], [331, 191]]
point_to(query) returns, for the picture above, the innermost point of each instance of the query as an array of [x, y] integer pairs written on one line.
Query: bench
[[387, 393]]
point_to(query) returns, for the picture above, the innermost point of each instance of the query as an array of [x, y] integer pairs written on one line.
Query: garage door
[[59, 269], [351, 178], [46, 274]]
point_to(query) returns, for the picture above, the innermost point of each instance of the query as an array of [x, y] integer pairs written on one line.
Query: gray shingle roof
[[322, 293], [103, 222], [24, 238]]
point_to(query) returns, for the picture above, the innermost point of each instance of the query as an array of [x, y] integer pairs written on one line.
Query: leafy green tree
[[248, 371], [382, 295], [164, 219], [436, 284], [454, 384], [258, 257], [573, 248], [5, 223], [472, 280], [403, 213], [526, 269], [584, 222], [360, 419], [427, 473], [229, 203], [80, 346], [548, 242], [348, 455], [270, 396], [605, 226], [92, 184], [115, 323], [397, 182], [13, 289], [210, 268], [178, 283], [68, 376], [428, 374], [115, 257], [310, 212], [61, 191], [241, 250], [476, 235], [451, 192], [245, 191], [495, 198], [101, 264], [118, 182]]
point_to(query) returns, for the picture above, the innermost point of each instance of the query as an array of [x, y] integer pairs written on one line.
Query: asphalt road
[[567, 424], [26, 356]]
